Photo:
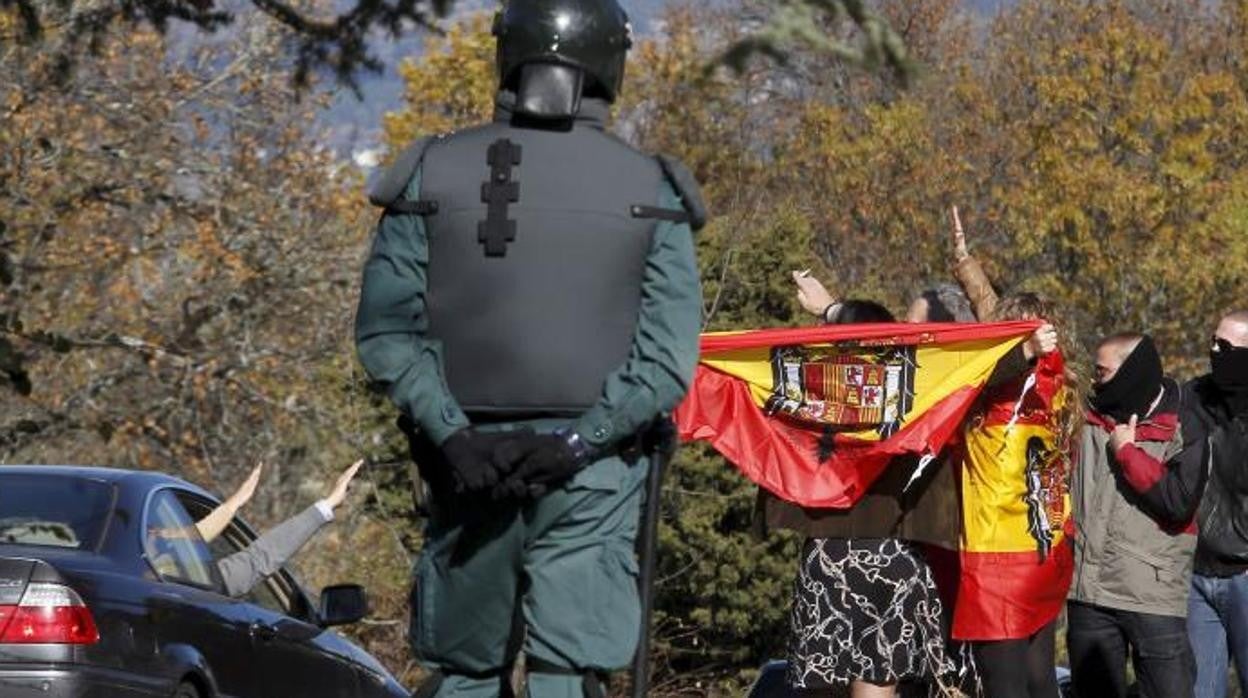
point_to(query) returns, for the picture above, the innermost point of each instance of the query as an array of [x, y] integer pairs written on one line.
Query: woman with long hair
[[1016, 559]]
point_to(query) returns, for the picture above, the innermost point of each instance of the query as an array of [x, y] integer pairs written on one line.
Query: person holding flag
[[1015, 556], [867, 610], [1015, 553], [817, 416]]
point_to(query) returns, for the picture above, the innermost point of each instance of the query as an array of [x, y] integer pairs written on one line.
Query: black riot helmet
[[552, 51]]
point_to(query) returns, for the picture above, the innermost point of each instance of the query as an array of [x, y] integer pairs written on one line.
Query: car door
[[296, 656], [189, 615], [308, 665]]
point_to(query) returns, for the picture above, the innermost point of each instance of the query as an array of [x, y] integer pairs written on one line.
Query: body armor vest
[[536, 261]]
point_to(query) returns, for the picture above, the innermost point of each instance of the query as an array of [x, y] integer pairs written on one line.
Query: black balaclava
[[1134, 387], [1230, 374]]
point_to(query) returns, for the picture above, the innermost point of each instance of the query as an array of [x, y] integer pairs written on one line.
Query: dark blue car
[[101, 596]]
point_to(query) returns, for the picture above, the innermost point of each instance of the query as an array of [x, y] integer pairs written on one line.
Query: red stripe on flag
[[892, 333], [783, 456], [1008, 596]]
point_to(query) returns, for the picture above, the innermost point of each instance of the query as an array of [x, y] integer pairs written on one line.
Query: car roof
[[138, 479]]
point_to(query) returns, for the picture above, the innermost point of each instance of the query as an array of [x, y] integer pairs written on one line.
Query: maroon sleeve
[[1169, 490], [1139, 469]]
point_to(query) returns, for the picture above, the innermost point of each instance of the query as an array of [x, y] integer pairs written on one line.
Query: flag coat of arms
[[814, 415]]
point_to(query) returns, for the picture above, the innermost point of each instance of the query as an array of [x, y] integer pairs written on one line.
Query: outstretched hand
[[215, 522], [1123, 434], [959, 238], [246, 490], [811, 294], [339, 492]]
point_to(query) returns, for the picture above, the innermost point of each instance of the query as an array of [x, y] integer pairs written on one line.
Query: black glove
[[470, 455], [538, 461]]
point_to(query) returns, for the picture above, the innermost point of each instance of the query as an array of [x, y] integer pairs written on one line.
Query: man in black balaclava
[[1135, 491], [1218, 608], [1129, 377]]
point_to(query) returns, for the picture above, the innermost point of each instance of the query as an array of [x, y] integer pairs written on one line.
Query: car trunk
[[42, 619]]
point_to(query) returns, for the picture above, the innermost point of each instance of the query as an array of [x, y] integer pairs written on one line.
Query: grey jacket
[[246, 568], [1134, 511]]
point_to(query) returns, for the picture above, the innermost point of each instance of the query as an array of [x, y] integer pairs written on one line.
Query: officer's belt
[[429, 207]]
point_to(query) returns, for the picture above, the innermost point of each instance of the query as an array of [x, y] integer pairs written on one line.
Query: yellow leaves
[[674, 58], [450, 86], [876, 181], [1098, 149]]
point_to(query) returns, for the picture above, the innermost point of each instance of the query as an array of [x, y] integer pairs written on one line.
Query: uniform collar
[[594, 112]]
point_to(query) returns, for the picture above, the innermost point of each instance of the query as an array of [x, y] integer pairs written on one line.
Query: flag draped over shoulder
[[1016, 559], [815, 414]]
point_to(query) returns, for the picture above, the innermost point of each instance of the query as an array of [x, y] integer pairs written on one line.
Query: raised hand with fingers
[[1123, 434], [812, 295], [246, 490], [959, 238], [339, 491], [215, 522]]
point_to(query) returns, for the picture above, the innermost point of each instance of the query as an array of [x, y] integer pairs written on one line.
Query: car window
[[54, 510], [174, 546], [233, 539]]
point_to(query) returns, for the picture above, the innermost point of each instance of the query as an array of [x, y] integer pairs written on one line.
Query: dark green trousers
[[556, 576]]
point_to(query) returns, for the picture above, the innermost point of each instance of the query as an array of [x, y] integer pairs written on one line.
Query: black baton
[[662, 443]]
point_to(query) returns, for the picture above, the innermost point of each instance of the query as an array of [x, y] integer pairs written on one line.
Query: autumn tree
[[180, 264], [1116, 164], [1095, 144], [319, 35], [179, 258]]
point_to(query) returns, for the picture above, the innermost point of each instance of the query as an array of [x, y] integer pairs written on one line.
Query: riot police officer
[[531, 305]]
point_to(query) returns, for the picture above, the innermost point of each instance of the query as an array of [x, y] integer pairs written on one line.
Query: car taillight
[[48, 614]]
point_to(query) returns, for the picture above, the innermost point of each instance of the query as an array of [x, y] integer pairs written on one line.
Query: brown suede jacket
[[978, 288]]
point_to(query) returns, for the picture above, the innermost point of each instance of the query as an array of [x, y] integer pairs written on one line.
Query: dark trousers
[[1020, 668], [1098, 638]]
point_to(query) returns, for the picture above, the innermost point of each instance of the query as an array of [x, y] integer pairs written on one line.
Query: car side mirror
[[343, 604]]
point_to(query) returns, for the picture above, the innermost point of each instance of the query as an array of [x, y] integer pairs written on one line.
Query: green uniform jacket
[[391, 325]]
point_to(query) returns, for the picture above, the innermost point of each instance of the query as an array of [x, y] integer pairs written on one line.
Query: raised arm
[[243, 570], [969, 273], [215, 522], [814, 297]]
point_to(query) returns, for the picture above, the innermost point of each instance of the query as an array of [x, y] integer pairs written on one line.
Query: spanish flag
[[815, 414], [1015, 554]]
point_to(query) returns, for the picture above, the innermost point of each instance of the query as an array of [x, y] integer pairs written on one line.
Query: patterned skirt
[[866, 609]]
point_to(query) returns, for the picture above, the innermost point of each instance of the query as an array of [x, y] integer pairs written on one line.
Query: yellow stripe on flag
[[942, 369]]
